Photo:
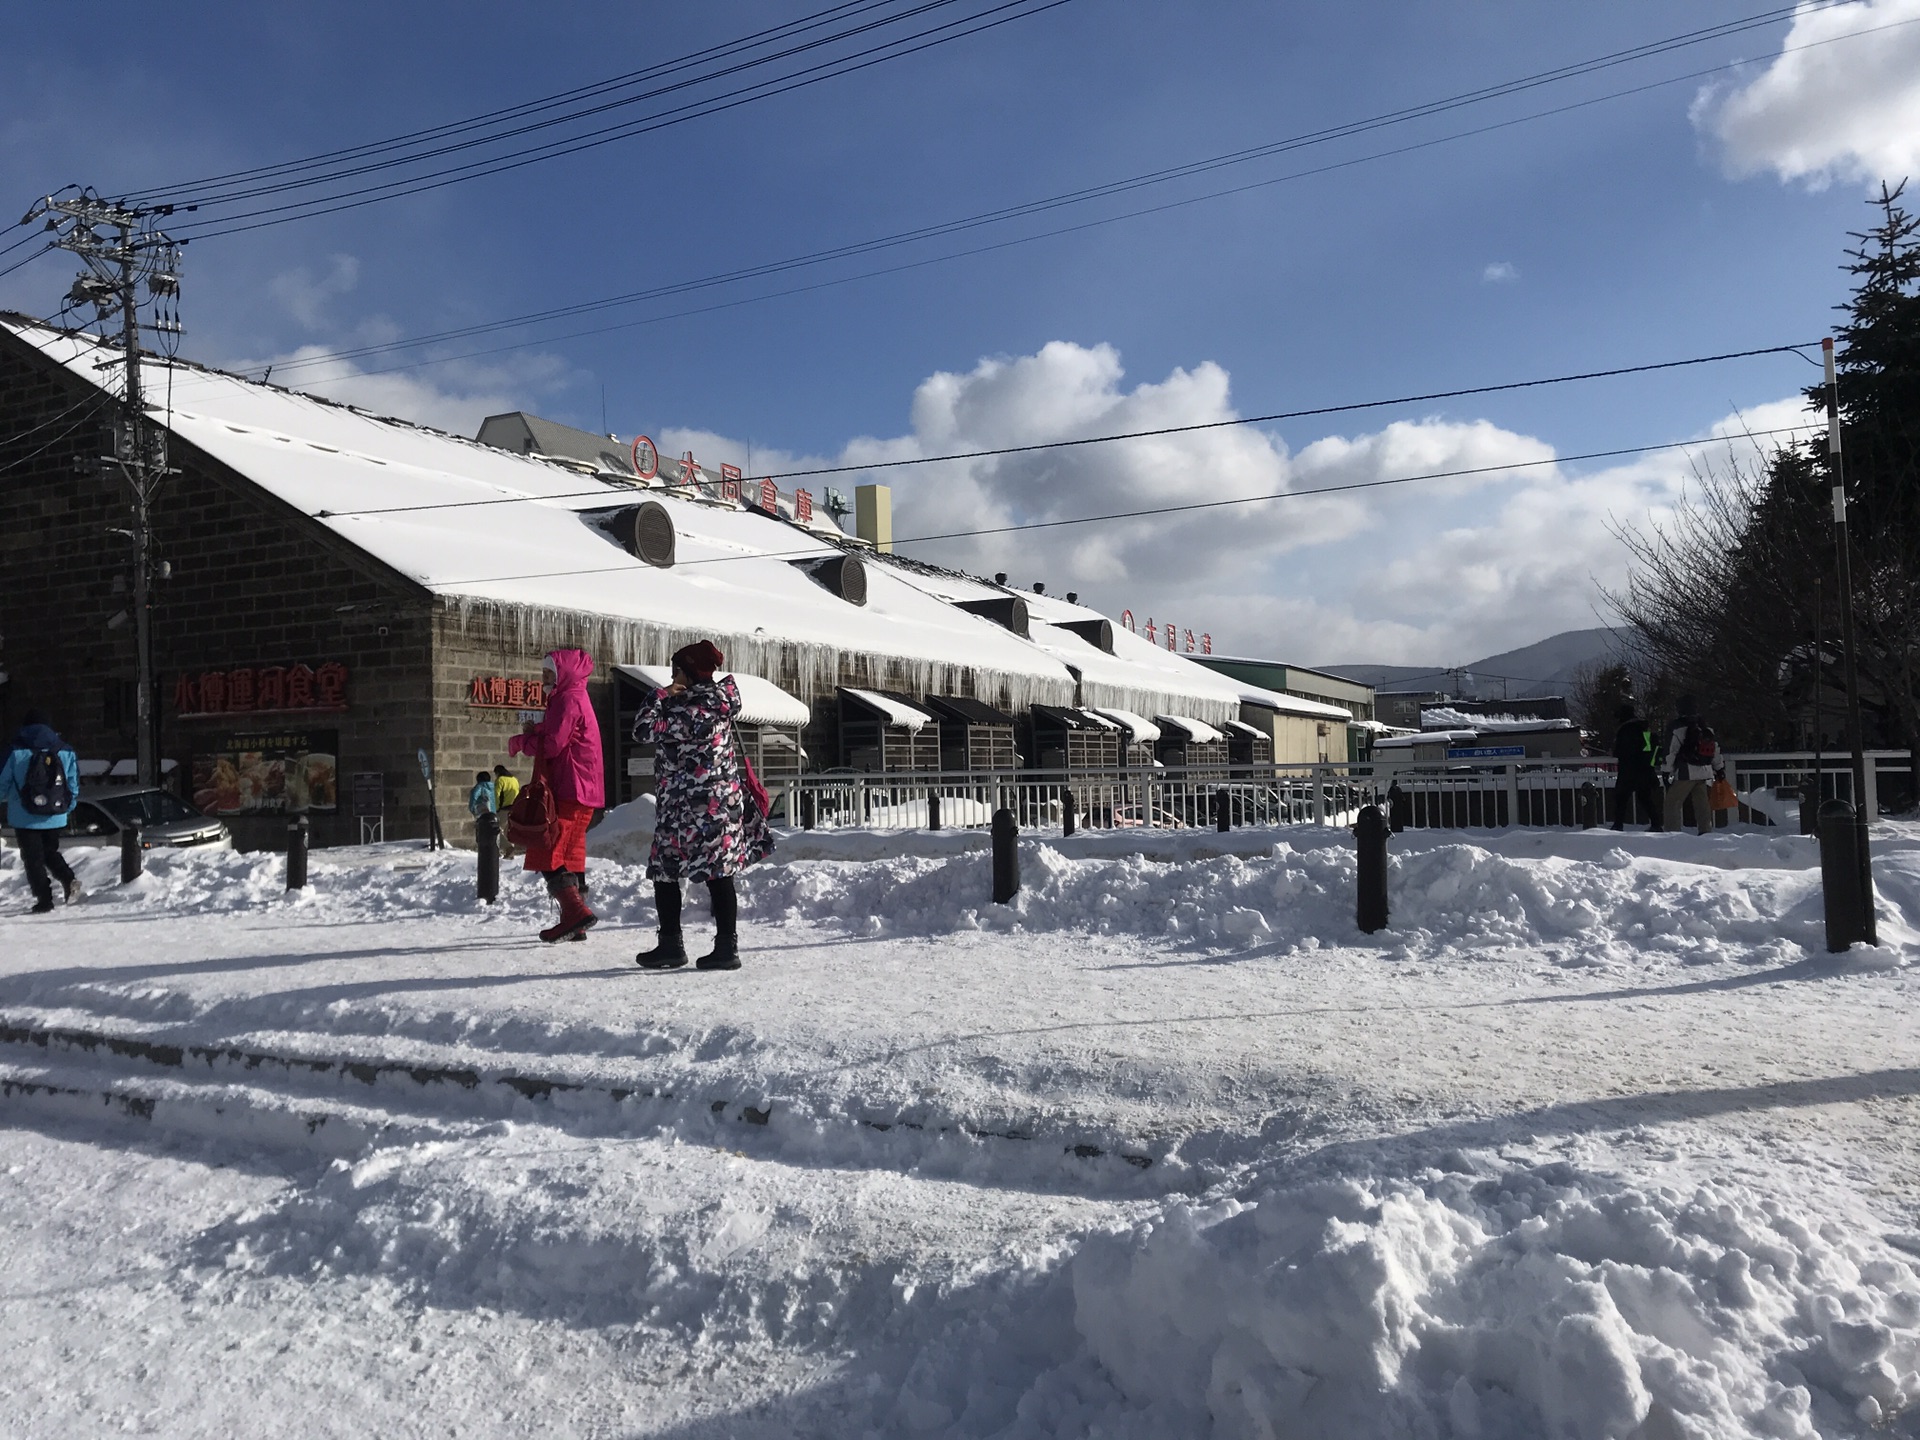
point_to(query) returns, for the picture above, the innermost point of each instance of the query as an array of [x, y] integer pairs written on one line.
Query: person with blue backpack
[[40, 782]]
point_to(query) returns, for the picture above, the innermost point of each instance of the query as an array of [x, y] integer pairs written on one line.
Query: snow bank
[[1591, 899], [1484, 1299]]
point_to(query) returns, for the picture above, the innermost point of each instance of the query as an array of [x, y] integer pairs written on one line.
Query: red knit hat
[[699, 659]]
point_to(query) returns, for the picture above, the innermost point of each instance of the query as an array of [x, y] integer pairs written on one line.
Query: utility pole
[[1845, 566], [133, 250]]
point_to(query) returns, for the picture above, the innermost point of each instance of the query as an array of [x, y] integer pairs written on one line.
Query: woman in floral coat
[[707, 828]]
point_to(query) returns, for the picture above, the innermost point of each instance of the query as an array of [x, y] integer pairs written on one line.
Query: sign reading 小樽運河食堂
[[505, 692], [268, 772], [261, 690]]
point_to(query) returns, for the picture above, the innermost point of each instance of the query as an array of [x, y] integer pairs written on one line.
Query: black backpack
[[1701, 746], [44, 789]]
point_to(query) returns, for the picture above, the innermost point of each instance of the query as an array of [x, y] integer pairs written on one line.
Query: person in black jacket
[[1633, 748]]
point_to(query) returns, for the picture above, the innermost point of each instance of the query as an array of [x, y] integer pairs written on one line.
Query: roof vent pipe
[[1098, 633], [844, 575], [999, 577], [1039, 587], [1073, 597], [1007, 610], [647, 532]]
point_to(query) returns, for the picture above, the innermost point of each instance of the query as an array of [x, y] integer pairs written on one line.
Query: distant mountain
[[1543, 668]]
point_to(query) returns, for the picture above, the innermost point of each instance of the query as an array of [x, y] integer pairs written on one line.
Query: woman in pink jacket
[[565, 745]]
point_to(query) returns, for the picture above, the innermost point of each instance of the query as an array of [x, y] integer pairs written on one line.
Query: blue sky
[[1654, 226]]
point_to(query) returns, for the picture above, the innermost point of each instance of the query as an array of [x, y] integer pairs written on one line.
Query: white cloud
[[308, 297], [455, 396], [1278, 576], [1500, 272], [1826, 111]]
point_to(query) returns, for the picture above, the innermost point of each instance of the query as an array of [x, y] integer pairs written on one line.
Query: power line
[[261, 190], [1077, 197], [547, 102], [1153, 512], [988, 19], [1197, 426]]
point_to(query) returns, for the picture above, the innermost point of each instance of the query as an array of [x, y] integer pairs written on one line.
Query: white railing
[[1537, 793]]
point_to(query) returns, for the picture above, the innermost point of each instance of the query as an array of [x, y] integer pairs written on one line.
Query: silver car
[[165, 819]]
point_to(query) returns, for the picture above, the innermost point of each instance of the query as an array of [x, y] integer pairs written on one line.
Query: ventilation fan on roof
[[646, 531], [1095, 632], [1007, 610], [844, 575]]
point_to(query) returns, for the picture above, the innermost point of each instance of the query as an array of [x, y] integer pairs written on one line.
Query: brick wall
[[254, 584]]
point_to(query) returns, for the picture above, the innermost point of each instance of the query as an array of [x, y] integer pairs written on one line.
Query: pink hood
[[568, 736]]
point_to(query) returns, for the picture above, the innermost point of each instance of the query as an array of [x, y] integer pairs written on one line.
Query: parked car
[[165, 818]]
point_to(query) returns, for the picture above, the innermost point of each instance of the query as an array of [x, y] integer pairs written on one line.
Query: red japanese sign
[[646, 459], [803, 506], [262, 690], [506, 692], [729, 482], [769, 497]]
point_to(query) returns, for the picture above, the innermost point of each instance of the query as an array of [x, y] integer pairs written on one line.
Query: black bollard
[[1399, 807], [297, 829], [1840, 876], [1222, 814], [1069, 812], [809, 809], [1371, 830], [487, 830], [933, 810], [1006, 857], [132, 853], [1809, 810], [1586, 801]]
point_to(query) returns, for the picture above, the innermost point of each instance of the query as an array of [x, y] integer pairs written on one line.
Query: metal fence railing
[[1477, 794]]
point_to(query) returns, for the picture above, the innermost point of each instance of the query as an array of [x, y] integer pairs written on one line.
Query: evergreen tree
[[1723, 599]]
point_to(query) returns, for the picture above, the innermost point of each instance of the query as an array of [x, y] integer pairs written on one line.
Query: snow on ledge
[[1198, 732], [761, 701], [898, 712], [1143, 730]]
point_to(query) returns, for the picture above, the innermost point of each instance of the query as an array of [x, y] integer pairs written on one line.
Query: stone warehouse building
[[348, 593]]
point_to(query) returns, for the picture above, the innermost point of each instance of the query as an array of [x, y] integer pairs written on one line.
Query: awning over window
[[761, 701]]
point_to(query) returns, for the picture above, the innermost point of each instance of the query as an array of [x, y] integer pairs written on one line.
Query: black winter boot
[[725, 954], [671, 952]]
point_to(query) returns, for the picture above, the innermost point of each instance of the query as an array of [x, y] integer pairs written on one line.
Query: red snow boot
[[575, 917]]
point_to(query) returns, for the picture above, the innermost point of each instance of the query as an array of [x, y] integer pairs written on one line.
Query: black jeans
[[1647, 788], [726, 905], [40, 852]]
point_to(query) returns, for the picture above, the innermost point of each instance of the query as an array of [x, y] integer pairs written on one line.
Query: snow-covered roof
[[898, 712], [1287, 704], [1245, 729], [1426, 737], [1445, 717], [761, 701], [1142, 730], [1198, 732], [733, 577], [1136, 676]]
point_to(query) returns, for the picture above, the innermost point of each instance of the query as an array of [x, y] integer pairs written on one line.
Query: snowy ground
[[1595, 1141]]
